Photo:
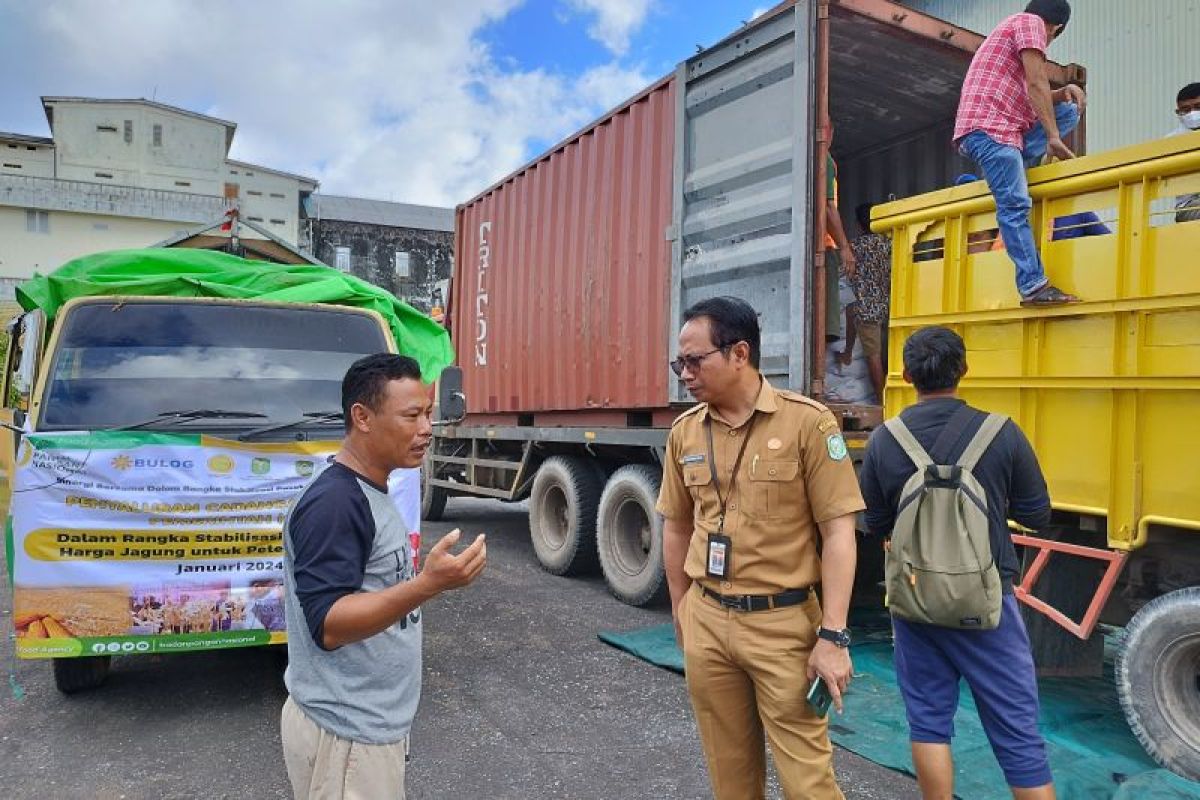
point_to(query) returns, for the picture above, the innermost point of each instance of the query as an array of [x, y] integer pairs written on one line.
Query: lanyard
[[712, 465]]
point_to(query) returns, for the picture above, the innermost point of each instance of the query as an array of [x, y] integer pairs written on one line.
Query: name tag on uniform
[[718, 556], [695, 459]]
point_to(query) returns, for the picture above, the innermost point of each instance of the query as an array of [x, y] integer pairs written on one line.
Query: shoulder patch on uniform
[[827, 422], [693, 410], [836, 446], [787, 394]]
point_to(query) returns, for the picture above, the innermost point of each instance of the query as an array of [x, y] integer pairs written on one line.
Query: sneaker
[[1049, 296]]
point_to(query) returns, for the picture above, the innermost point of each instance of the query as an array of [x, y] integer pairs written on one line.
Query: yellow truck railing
[[1107, 390]]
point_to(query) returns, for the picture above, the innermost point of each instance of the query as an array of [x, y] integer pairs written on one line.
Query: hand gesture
[[1056, 149], [445, 570], [833, 664]]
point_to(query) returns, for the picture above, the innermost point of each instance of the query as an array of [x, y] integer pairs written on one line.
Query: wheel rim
[[632, 536], [1177, 686], [557, 518]]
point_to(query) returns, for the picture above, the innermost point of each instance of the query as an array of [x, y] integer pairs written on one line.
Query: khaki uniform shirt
[[795, 473]]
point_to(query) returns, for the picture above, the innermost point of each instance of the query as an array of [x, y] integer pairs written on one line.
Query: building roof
[[246, 165], [204, 238], [20, 138], [48, 102], [382, 212]]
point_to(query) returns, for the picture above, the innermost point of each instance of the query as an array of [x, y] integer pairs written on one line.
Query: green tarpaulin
[[183, 272], [1093, 754]]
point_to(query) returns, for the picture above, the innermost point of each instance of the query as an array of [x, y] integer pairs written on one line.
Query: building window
[[128, 131], [402, 265], [99, 226], [254, 192], [233, 172], [278, 196], [183, 183], [37, 221], [102, 174], [157, 135], [106, 128], [279, 222], [341, 258], [12, 166], [253, 219]]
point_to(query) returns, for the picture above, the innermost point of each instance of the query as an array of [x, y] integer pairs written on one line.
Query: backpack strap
[[981, 440], [952, 431], [905, 439]]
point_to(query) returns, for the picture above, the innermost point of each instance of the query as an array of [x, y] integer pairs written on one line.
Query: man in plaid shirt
[[1008, 119]]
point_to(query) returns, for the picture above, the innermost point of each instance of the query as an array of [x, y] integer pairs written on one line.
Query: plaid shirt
[[994, 98]]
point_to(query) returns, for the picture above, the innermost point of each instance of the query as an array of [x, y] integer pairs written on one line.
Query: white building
[[128, 173]]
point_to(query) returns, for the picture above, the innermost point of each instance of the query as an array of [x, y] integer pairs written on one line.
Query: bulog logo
[[481, 295]]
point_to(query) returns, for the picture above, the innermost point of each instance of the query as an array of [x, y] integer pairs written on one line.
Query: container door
[[743, 176]]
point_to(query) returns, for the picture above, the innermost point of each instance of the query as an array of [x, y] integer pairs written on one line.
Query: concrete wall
[[59, 236], [268, 199], [21, 158], [373, 249], [92, 144]]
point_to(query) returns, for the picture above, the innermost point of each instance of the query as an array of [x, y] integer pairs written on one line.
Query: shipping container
[[572, 274]]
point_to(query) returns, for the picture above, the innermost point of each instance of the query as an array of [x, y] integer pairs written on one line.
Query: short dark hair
[[1056, 12], [935, 359], [731, 320], [365, 380], [1189, 92], [862, 213]]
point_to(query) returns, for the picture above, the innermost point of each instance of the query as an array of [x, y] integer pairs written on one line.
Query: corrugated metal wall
[[562, 272], [1138, 56]]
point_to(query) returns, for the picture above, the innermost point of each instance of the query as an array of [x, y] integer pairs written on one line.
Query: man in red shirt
[[1008, 119]]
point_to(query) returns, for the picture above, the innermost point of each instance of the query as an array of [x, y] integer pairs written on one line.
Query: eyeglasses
[[692, 362]]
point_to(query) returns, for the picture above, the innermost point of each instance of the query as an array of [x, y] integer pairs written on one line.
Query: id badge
[[718, 556]]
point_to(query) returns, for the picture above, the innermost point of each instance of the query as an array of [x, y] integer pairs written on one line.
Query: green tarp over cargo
[[164, 272]]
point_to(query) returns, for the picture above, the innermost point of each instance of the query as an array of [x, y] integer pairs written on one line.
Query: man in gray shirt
[[354, 595]]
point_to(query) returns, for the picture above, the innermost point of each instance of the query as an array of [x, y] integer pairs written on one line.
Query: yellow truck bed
[[1107, 390]]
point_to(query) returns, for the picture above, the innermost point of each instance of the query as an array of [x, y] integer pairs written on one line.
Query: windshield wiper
[[309, 418], [187, 416]]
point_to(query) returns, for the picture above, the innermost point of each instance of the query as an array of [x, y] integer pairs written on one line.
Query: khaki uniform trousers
[[746, 677], [322, 766]]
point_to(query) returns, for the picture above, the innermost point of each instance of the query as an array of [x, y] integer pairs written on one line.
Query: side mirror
[[452, 403]]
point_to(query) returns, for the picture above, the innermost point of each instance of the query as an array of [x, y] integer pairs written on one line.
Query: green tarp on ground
[[183, 272], [1092, 753]]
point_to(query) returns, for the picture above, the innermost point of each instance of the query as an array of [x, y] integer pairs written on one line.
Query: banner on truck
[[139, 542]]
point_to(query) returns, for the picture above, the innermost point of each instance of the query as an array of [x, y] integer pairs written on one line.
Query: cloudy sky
[[422, 101]]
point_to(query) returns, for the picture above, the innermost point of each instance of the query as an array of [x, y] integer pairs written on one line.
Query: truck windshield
[[122, 363]]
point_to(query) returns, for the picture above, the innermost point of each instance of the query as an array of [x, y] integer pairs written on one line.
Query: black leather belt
[[758, 602]]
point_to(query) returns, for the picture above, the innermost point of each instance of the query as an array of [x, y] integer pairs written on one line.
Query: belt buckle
[[732, 601]]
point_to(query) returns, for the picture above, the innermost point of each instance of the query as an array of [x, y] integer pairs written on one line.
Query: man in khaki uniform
[[750, 476]]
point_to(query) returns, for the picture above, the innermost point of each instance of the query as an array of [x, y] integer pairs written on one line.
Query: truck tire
[[1158, 679], [73, 675], [629, 536], [433, 498], [562, 514]]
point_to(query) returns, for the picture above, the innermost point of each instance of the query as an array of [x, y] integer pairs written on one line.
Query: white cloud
[[374, 98], [758, 12], [616, 20]]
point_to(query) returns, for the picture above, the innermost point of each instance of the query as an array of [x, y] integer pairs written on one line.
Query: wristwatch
[[840, 638]]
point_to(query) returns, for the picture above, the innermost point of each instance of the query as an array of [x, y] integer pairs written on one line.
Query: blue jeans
[[1004, 170]]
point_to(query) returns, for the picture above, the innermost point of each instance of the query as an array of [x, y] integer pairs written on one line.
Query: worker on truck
[[1009, 119]]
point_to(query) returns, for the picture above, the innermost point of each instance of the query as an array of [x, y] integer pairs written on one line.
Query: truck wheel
[[1158, 679], [562, 514], [433, 498], [73, 675], [629, 536]]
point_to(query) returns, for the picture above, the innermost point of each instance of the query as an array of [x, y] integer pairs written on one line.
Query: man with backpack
[[940, 482]]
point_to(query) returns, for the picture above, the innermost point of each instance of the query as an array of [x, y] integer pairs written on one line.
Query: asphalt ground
[[521, 700]]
